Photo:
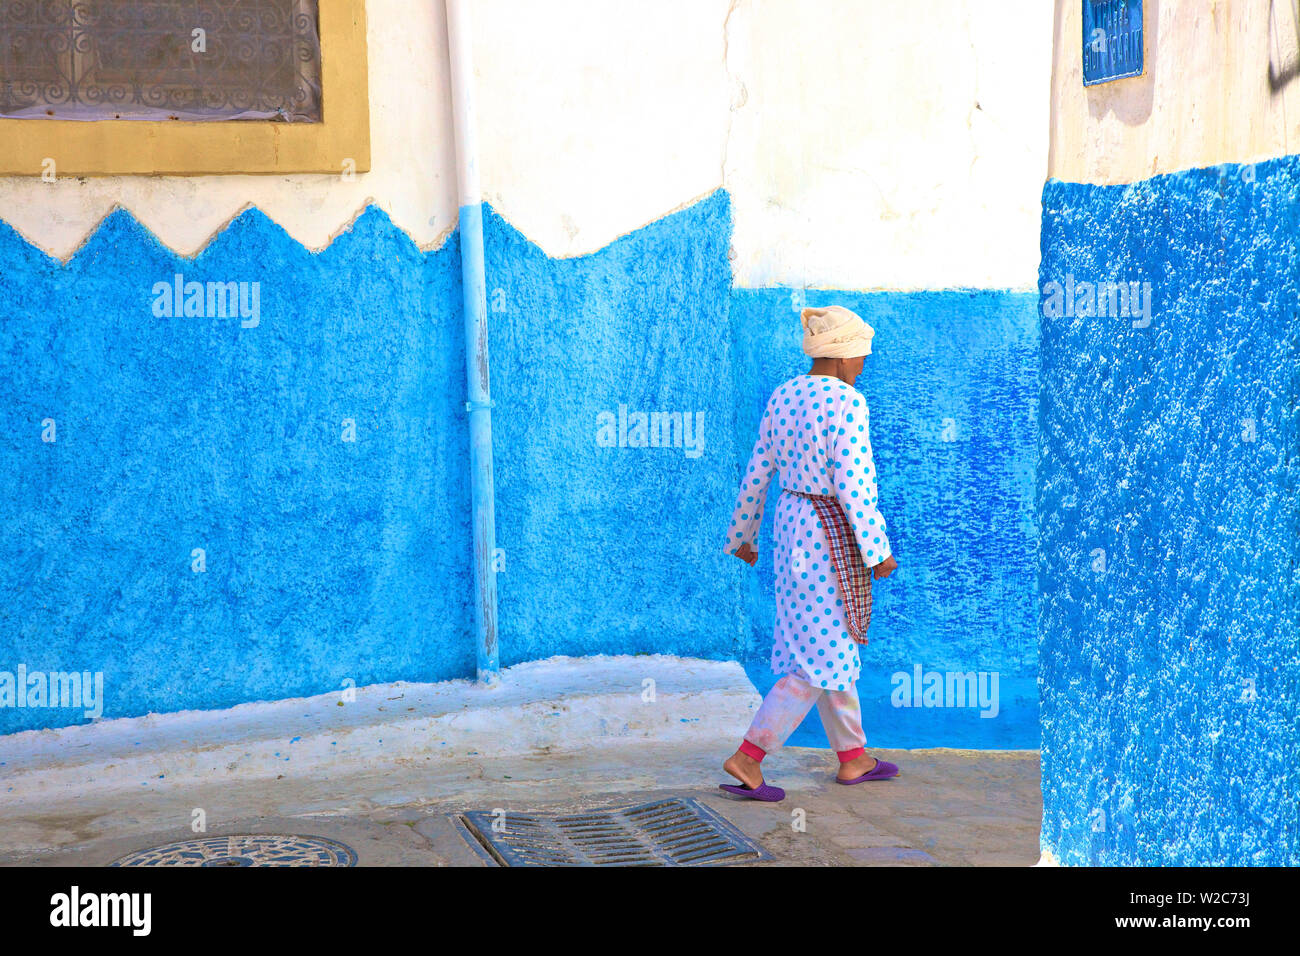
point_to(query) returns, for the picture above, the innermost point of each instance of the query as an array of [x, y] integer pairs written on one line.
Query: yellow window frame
[[338, 144]]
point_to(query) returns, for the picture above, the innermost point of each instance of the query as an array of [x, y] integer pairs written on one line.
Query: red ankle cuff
[[849, 755], [750, 750]]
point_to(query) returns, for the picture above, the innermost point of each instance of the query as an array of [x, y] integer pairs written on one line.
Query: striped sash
[[850, 570]]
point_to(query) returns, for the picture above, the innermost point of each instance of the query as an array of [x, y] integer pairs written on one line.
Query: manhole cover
[[256, 849], [678, 832]]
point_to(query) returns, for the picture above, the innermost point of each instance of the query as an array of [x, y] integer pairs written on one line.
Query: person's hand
[[885, 568], [747, 554]]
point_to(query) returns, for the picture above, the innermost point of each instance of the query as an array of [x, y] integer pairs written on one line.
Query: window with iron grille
[[192, 60]]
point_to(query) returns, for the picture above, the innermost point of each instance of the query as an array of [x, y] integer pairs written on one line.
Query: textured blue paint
[[330, 560], [326, 560], [1150, 753], [957, 365], [614, 550], [1015, 727]]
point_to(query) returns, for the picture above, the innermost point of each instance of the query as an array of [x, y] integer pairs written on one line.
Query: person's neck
[[827, 367]]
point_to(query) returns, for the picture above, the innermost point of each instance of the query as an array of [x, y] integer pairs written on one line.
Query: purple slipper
[[764, 791], [883, 770]]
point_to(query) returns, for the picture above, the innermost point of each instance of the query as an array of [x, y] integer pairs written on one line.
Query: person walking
[[829, 542]]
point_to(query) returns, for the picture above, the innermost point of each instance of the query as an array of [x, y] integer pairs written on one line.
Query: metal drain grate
[[257, 849], [677, 832]]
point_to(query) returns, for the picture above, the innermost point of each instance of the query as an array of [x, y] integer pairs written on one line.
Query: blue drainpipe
[[474, 289]]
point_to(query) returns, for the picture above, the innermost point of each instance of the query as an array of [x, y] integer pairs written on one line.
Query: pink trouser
[[786, 705]]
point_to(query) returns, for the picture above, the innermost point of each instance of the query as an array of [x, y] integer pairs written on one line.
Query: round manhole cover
[[255, 849]]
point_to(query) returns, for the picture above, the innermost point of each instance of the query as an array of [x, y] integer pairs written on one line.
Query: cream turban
[[835, 332]]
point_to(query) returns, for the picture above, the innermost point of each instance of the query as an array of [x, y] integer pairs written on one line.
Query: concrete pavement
[[946, 808], [384, 773]]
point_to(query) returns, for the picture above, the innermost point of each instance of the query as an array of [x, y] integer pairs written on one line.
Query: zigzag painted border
[[120, 209]]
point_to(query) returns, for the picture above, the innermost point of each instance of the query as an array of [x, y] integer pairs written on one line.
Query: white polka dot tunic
[[813, 436]]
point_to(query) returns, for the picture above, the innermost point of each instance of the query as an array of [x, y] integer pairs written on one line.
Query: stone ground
[[947, 808]]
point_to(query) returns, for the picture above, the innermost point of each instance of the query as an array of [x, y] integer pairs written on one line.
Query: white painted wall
[[599, 116], [847, 132], [895, 144], [1220, 84]]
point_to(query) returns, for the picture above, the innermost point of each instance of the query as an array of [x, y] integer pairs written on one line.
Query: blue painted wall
[[330, 560], [1170, 523], [325, 559], [609, 550]]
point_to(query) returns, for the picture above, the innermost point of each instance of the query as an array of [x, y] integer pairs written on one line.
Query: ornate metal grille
[[260, 849], [160, 59]]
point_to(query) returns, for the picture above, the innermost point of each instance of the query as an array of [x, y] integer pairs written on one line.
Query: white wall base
[[563, 704]]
